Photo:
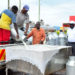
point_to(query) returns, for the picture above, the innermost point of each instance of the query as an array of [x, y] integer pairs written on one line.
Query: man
[[42, 22], [7, 17], [23, 17], [38, 34], [71, 37]]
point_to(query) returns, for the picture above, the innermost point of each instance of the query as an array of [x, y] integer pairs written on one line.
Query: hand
[[25, 33], [41, 42], [25, 39], [17, 36]]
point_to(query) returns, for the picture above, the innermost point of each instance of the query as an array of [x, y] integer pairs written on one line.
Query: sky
[[53, 12]]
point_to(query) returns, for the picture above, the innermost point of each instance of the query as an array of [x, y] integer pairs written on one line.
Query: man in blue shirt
[[7, 18]]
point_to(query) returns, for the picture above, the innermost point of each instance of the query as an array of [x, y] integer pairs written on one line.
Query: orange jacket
[[38, 35]]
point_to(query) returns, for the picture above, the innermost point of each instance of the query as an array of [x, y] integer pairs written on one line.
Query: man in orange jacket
[[38, 34]]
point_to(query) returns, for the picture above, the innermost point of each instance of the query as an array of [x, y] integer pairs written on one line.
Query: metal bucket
[[62, 39], [70, 66]]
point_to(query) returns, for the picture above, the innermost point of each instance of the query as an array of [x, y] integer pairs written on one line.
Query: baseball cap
[[72, 22], [26, 7]]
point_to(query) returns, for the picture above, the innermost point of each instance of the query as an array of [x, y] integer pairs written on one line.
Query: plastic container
[[56, 38], [21, 34], [62, 38], [70, 66], [51, 39]]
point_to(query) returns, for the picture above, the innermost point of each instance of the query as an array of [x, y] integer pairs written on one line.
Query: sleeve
[[2, 13], [43, 35], [30, 34], [13, 18]]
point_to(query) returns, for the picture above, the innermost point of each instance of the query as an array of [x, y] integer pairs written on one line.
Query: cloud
[[3, 5], [52, 14], [57, 15]]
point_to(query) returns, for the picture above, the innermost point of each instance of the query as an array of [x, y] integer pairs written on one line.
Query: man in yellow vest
[[7, 17]]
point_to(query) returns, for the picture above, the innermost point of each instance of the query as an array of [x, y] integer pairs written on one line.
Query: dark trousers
[[73, 47], [2, 71]]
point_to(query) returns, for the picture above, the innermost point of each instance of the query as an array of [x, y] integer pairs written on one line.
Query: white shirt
[[21, 18], [71, 35]]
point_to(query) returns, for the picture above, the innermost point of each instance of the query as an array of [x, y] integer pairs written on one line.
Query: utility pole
[[8, 4], [20, 4], [39, 10]]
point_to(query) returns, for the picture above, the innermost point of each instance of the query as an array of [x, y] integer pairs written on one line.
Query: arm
[[43, 36], [30, 34], [27, 26], [15, 25]]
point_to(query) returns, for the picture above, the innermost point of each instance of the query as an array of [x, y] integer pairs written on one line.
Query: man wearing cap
[[23, 17], [71, 37]]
